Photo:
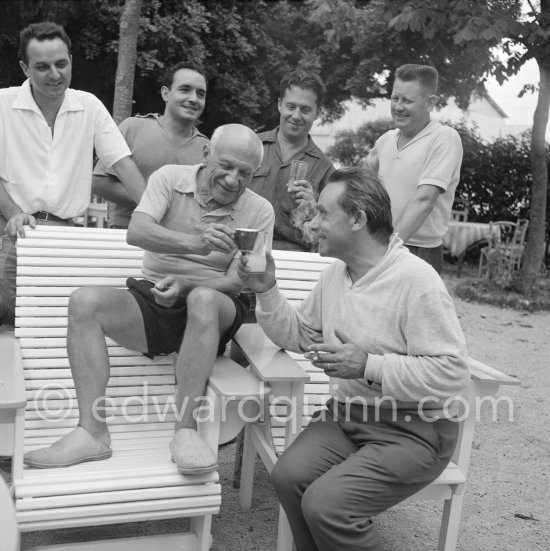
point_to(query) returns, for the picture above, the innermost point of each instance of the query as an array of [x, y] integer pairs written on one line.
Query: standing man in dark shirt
[[157, 140], [300, 100]]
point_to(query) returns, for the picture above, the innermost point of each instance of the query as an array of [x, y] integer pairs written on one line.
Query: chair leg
[[450, 521], [247, 470], [285, 542], [201, 527]]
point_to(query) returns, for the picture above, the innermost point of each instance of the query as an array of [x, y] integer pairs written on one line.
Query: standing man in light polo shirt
[[48, 133], [419, 164], [157, 140], [301, 96]]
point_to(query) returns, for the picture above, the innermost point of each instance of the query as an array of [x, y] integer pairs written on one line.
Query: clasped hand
[[167, 291], [15, 224], [216, 237], [344, 361], [302, 192], [259, 283]]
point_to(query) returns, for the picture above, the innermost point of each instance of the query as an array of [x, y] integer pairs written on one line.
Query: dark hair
[[364, 191], [303, 79], [46, 30], [168, 76], [425, 74]]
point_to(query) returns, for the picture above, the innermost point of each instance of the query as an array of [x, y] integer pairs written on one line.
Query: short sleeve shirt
[[271, 177], [152, 148], [172, 199], [432, 157], [54, 173]]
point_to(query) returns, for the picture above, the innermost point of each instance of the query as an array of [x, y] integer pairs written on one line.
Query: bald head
[[237, 137]]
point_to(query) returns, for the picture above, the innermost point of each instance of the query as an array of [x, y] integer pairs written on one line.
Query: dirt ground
[[506, 500]]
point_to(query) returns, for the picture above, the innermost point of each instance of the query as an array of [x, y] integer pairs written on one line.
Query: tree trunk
[[127, 56], [534, 249]]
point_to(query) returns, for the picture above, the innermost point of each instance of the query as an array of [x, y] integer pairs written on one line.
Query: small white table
[[462, 235]]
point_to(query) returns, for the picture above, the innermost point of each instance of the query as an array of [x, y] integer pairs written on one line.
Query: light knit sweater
[[399, 313]]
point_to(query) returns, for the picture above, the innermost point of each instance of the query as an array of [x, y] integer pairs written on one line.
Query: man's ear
[[432, 100], [359, 220], [164, 91], [25, 68], [205, 154]]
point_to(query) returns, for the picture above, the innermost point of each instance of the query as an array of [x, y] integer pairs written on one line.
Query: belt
[[42, 215]]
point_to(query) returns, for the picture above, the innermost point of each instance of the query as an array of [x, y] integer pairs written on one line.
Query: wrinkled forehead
[[238, 146]]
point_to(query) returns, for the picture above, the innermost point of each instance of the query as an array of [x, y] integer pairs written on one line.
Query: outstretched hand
[[259, 283], [344, 361]]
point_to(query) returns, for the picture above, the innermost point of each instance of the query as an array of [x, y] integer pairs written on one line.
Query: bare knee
[[203, 305], [85, 304]]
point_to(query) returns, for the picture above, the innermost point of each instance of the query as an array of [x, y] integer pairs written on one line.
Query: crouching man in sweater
[[381, 324]]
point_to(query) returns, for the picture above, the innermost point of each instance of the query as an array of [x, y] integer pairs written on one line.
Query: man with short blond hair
[[419, 164]]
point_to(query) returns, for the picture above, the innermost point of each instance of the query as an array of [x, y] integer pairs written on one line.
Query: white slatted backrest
[[51, 262]]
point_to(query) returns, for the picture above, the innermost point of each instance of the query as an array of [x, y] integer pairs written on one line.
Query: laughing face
[[186, 97], [332, 225], [49, 69], [411, 104], [298, 109], [229, 170]]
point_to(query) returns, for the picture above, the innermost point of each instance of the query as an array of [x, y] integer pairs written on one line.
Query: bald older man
[[188, 302]]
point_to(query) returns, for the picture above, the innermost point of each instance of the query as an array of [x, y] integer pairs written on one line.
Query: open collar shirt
[[271, 178], [54, 173]]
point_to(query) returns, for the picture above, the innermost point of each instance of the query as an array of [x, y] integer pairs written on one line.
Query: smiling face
[[298, 109], [186, 98], [49, 69], [411, 104], [229, 169], [332, 224]]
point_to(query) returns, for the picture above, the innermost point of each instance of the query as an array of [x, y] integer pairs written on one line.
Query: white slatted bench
[[139, 482], [295, 380]]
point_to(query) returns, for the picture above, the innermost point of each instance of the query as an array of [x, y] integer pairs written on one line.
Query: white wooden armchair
[[139, 482]]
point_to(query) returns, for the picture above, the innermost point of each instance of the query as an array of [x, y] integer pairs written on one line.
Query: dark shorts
[[164, 327]]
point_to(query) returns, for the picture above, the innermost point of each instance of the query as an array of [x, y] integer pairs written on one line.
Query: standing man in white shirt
[[419, 164], [48, 134]]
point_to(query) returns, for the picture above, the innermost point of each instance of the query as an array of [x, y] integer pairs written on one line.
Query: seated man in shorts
[[189, 302]]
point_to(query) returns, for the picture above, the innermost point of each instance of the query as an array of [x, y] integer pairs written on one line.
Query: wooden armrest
[[484, 373], [271, 363], [12, 384], [230, 380]]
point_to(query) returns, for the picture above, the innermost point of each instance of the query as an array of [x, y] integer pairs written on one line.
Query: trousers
[[351, 463], [432, 255]]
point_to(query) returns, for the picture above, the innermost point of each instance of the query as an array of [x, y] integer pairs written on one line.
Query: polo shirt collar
[[190, 185], [25, 100], [311, 149], [428, 129]]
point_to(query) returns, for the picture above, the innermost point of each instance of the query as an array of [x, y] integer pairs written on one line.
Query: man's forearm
[[412, 218], [145, 233], [130, 177], [109, 188], [8, 207]]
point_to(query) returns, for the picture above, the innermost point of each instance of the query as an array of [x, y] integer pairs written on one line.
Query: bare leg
[[210, 314], [95, 313]]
